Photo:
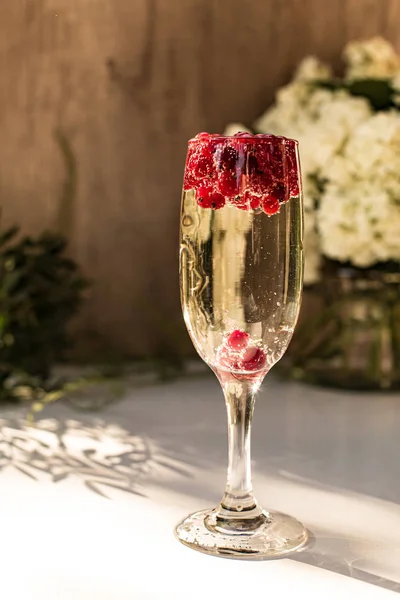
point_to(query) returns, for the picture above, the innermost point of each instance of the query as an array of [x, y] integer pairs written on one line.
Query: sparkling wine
[[240, 276]]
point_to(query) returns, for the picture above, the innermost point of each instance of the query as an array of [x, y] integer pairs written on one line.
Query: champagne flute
[[241, 272]]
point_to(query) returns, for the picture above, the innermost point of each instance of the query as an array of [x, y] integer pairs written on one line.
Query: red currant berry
[[254, 359], [204, 195], [202, 135], [270, 205], [217, 200], [226, 157], [251, 200], [207, 197], [238, 340], [203, 166], [279, 191], [229, 184]]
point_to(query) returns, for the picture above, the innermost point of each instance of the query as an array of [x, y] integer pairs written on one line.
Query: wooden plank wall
[[109, 91]]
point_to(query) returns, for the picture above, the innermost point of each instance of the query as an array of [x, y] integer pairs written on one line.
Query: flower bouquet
[[349, 133]]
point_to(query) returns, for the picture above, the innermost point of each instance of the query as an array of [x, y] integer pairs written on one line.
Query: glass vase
[[354, 341]]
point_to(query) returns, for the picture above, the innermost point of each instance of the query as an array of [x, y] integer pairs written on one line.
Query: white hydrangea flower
[[330, 123], [312, 69], [371, 59], [359, 214]]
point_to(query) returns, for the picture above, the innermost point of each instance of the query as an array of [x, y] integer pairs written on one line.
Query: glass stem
[[240, 399]]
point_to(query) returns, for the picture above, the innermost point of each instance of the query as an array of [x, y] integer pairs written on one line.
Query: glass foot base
[[276, 535]]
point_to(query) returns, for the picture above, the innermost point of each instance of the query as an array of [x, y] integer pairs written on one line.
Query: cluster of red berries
[[238, 354], [247, 171]]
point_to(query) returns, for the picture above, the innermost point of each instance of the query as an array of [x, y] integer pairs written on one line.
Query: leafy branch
[[40, 291]]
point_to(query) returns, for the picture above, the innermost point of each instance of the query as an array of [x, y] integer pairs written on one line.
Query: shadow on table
[[103, 455], [341, 549], [327, 476], [328, 553]]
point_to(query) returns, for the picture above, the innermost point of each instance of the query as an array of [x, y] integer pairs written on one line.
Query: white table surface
[[89, 499]]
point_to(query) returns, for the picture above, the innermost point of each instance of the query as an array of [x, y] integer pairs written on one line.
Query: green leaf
[[379, 92], [7, 235], [328, 84], [11, 281], [40, 290]]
